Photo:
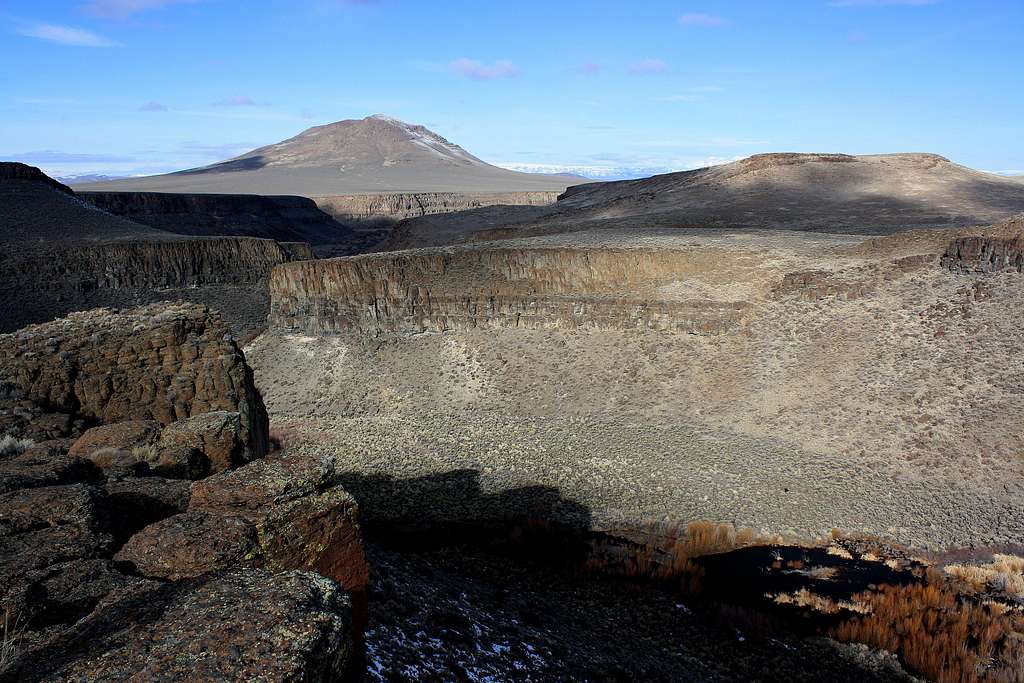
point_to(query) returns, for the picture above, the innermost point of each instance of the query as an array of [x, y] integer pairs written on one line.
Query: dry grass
[[940, 633], [805, 598], [12, 632], [666, 552], [1005, 574], [10, 445]]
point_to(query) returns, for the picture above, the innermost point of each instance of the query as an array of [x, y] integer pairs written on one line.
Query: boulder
[[244, 625], [192, 544], [45, 526], [62, 593], [45, 464], [303, 518], [217, 434], [129, 436], [163, 362], [278, 513], [141, 501]]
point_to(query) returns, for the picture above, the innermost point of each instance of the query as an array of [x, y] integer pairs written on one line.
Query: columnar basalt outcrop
[[391, 207], [992, 250], [445, 289], [70, 255], [180, 263], [158, 362]]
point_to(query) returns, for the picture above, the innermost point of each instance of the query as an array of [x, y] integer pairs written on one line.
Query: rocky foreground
[[145, 532]]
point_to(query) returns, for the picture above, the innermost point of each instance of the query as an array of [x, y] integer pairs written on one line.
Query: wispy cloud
[[703, 20], [153, 106], [881, 3], [647, 66], [65, 35], [122, 9], [471, 68], [590, 68], [236, 101]]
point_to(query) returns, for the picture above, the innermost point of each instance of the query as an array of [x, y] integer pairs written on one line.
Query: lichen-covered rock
[[992, 250], [244, 625], [192, 544], [45, 464], [304, 519], [44, 526], [142, 501], [125, 436], [217, 434], [277, 513], [161, 362], [62, 593]]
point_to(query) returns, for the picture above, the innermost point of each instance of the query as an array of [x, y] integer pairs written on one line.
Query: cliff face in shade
[[162, 362], [283, 218], [60, 254], [437, 290]]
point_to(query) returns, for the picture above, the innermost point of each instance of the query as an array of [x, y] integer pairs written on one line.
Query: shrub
[[948, 637], [10, 445]]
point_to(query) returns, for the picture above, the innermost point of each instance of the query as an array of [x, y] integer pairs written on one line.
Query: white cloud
[[65, 35], [153, 106], [471, 68], [703, 20], [647, 66], [236, 101], [122, 9]]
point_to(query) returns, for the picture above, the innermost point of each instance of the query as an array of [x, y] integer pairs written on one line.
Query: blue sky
[[138, 86]]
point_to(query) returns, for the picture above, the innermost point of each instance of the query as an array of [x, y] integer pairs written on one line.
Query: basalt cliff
[[61, 254]]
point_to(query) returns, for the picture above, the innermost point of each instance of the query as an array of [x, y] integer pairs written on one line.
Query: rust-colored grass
[[940, 633]]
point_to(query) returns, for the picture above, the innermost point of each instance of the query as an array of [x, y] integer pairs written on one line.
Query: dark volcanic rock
[[304, 519], [144, 500], [217, 434], [62, 593], [45, 526], [239, 626], [160, 362], [192, 544], [45, 464], [281, 218], [996, 249]]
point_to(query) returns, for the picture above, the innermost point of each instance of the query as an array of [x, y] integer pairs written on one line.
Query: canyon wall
[[389, 208], [437, 290], [281, 218], [229, 274]]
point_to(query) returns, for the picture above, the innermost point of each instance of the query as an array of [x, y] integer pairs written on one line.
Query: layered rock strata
[[445, 289], [387, 208]]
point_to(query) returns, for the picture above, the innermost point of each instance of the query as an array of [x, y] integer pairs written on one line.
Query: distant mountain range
[[375, 154]]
